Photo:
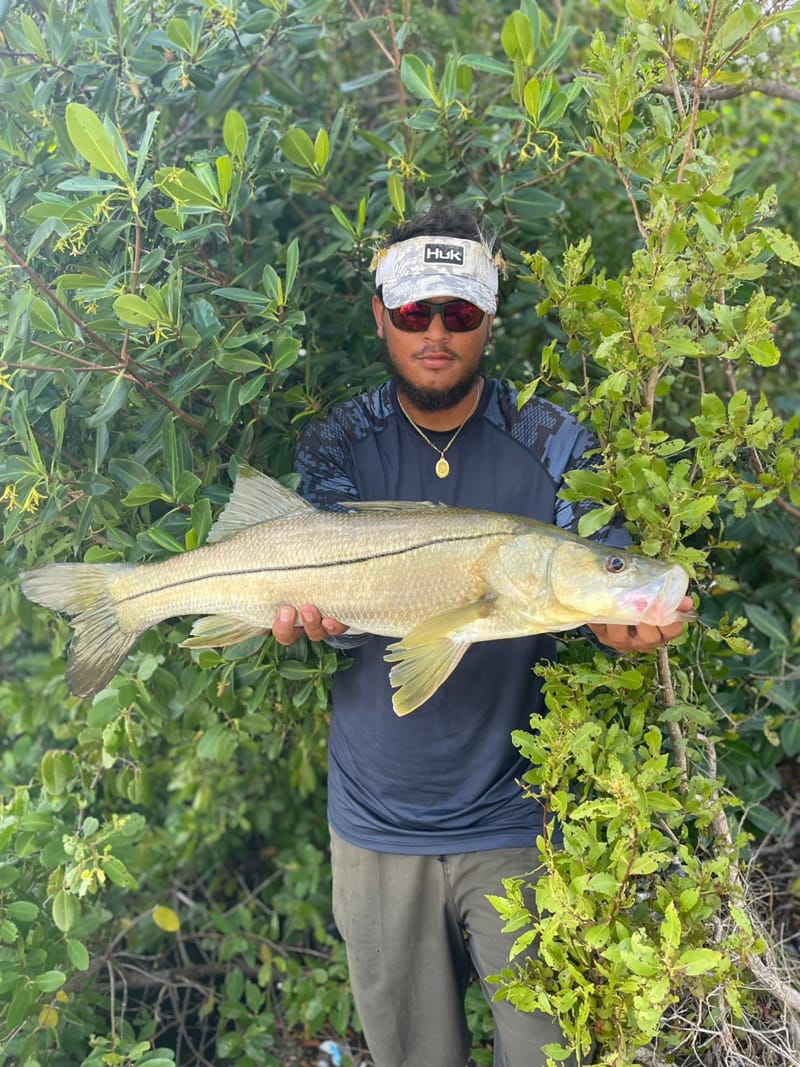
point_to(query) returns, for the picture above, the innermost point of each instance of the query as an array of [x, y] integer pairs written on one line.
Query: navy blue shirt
[[446, 777]]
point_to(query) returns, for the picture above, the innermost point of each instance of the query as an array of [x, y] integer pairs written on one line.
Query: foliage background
[[191, 193]]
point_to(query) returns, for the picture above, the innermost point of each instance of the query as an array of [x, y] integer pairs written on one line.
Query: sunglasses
[[458, 316]]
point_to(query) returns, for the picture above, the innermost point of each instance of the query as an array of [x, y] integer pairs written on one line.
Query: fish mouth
[[656, 603]]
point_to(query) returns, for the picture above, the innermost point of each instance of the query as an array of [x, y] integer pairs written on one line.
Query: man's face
[[434, 368]]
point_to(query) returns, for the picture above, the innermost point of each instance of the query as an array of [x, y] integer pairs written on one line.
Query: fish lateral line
[[293, 568]]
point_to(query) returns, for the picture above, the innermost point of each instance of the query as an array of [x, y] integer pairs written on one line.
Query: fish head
[[601, 584]]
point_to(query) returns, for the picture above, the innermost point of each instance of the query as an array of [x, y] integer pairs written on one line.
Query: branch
[[756, 85], [668, 701], [698, 86]]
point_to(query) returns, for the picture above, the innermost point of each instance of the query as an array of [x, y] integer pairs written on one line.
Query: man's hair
[[444, 220]]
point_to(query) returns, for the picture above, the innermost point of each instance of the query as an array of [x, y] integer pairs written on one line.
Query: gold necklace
[[442, 466]]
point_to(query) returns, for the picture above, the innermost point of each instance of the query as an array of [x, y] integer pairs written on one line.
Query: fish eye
[[615, 564]]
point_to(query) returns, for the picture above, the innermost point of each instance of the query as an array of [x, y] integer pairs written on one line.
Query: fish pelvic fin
[[429, 654], [82, 590], [220, 631], [255, 498]]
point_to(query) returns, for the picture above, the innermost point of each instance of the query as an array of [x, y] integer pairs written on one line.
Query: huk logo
[[452, 254]]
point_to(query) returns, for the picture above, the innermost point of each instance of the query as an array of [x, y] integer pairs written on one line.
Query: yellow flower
[[32, 500]]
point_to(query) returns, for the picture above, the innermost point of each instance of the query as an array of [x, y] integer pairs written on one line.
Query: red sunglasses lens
[[460, 316], [413, 317]]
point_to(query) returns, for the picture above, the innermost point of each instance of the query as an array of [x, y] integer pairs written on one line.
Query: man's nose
[[436, 327]]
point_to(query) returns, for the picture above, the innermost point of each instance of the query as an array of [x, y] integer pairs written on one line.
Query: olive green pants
[[414, 927]]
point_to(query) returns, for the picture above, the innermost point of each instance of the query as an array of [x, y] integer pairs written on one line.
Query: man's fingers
[[286, 631]]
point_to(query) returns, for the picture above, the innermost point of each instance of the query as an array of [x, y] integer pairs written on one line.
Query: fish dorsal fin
[[428, 655], [255, 498], [389, 505]]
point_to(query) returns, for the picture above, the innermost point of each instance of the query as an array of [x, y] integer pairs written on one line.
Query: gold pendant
[[442, 467]]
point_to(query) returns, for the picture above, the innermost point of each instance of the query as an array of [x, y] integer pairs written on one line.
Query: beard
[[430, 400]]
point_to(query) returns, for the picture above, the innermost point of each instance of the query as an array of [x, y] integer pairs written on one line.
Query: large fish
[[436, 577]]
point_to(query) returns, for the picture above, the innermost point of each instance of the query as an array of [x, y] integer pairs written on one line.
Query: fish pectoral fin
[[220, 631], [429, 654]]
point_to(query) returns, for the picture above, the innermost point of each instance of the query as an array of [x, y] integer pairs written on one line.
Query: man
[[425, 811]]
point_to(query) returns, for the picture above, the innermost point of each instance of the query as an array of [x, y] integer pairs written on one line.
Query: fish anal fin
[[255, 498], [220, 631], [429, 654]]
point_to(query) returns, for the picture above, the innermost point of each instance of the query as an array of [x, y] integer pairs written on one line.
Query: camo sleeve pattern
[[562, 444], [323, 454]]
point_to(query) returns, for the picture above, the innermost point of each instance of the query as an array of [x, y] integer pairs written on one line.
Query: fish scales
[[378, 571]]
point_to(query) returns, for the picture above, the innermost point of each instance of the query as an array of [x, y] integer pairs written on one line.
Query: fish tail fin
[[82, 591]]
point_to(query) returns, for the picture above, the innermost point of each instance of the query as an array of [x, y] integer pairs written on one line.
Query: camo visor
[[424, 267]]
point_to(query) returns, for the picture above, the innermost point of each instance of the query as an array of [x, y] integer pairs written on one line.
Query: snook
[[438, 578]]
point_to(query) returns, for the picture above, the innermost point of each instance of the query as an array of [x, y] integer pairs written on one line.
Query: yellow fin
[[220, 631], [255, 498], [427, 656], [83, 590]]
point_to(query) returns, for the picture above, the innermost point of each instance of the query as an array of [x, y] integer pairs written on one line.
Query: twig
[[668, 701], [698, 83]]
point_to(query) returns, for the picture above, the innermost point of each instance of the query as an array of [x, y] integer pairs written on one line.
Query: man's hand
[[641, 638], [313, 625]]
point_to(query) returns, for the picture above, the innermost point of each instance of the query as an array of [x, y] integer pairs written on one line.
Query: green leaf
[[22, 911], [596, 519], [298, 148], [292, 263], [138, 312], [118, 872], [164, 540], [533, 204], [90, 139], [416, 77], [187, 190], [234, 134], [782, 244], [397, 194], [764, 353], [700, 960], [532, 98], [242, 296], [487, 65], [112, 398], [180, 33], [322, 150], [50, 981], [33, 35], [517, 38], [78, 955], [66, 910], [144, 494], [767, 624], [56, 769], [742, 20]]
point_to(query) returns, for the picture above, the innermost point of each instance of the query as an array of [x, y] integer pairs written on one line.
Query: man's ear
[[377, 311]]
